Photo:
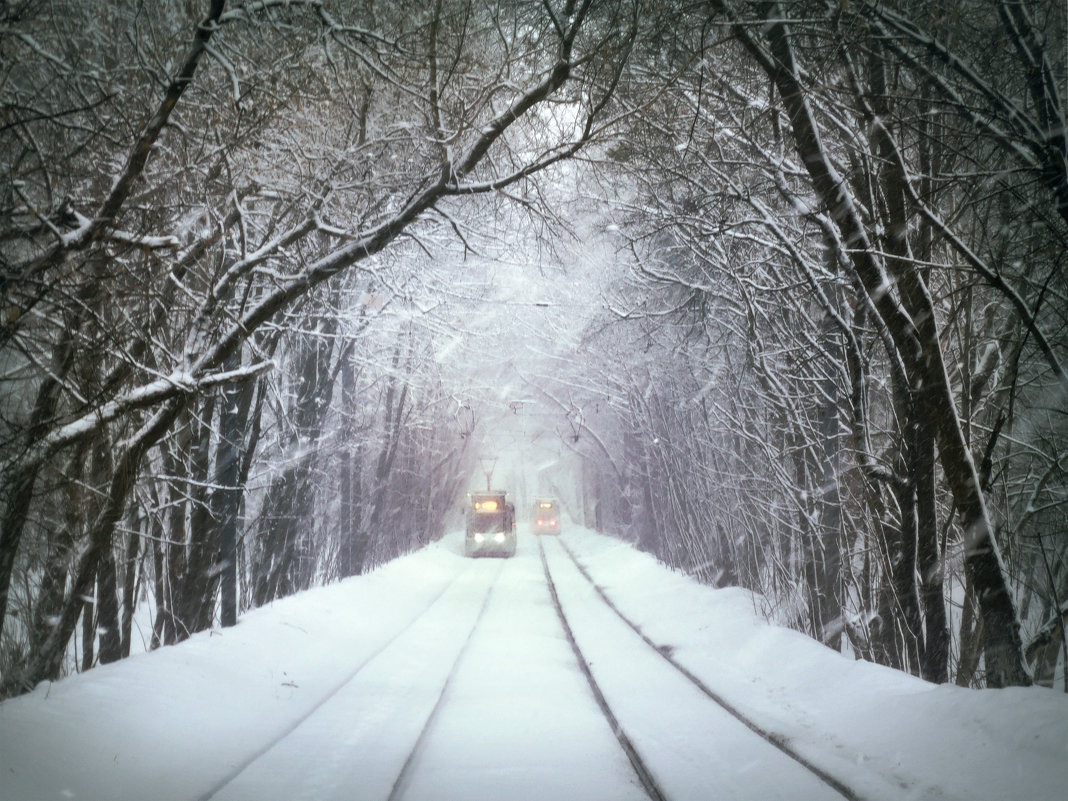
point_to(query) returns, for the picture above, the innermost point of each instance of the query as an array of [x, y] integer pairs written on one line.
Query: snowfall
[[440, 677]]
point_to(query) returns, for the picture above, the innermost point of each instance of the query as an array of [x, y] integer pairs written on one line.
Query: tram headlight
[[499, 537], [479, 538]]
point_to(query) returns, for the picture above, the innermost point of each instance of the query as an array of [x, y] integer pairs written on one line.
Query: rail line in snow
[[402, 780], [641, 770], [240, 768], [775, 739]]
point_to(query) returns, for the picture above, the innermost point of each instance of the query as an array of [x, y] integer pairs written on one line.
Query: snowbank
[[892, 735]]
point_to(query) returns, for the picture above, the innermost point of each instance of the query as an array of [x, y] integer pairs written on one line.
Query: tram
[[546, 516], [490, 524]]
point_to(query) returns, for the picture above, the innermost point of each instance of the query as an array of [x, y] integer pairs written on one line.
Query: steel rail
[[644, 774], [400, 784], [240, 768], [780, 741]]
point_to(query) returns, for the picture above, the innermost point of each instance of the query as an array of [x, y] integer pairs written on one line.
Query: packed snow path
[[459, 702], [467, 694], [598, 675]]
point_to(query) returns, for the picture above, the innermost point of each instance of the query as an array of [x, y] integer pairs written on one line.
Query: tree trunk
[[971, 637], [162, 629], [229, 485], [107, 598], [130, 583], [903, 552], [935, 661], [347, 530], [200, 581], [174, 548], [107, 608], [88, 640], [60, 551], [829, 576]]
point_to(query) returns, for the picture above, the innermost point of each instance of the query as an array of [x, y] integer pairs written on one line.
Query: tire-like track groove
[[645, 776], [402, 780], [331, 693], [775, 739]]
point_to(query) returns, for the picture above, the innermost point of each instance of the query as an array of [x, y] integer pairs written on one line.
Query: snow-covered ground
[[439, 677]]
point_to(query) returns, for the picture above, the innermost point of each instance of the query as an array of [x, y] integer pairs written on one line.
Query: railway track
[[644, 768], [413, 760], [403, 778], [513, 624], [641, 770], [219, 790], [422, 730]]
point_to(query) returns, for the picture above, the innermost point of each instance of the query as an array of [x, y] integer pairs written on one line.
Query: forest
[[775, 290]]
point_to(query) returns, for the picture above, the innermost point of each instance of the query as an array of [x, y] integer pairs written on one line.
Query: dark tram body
[[490, 525]]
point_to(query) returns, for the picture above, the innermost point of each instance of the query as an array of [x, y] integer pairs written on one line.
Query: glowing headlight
[[479, 538], [499, 536]]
